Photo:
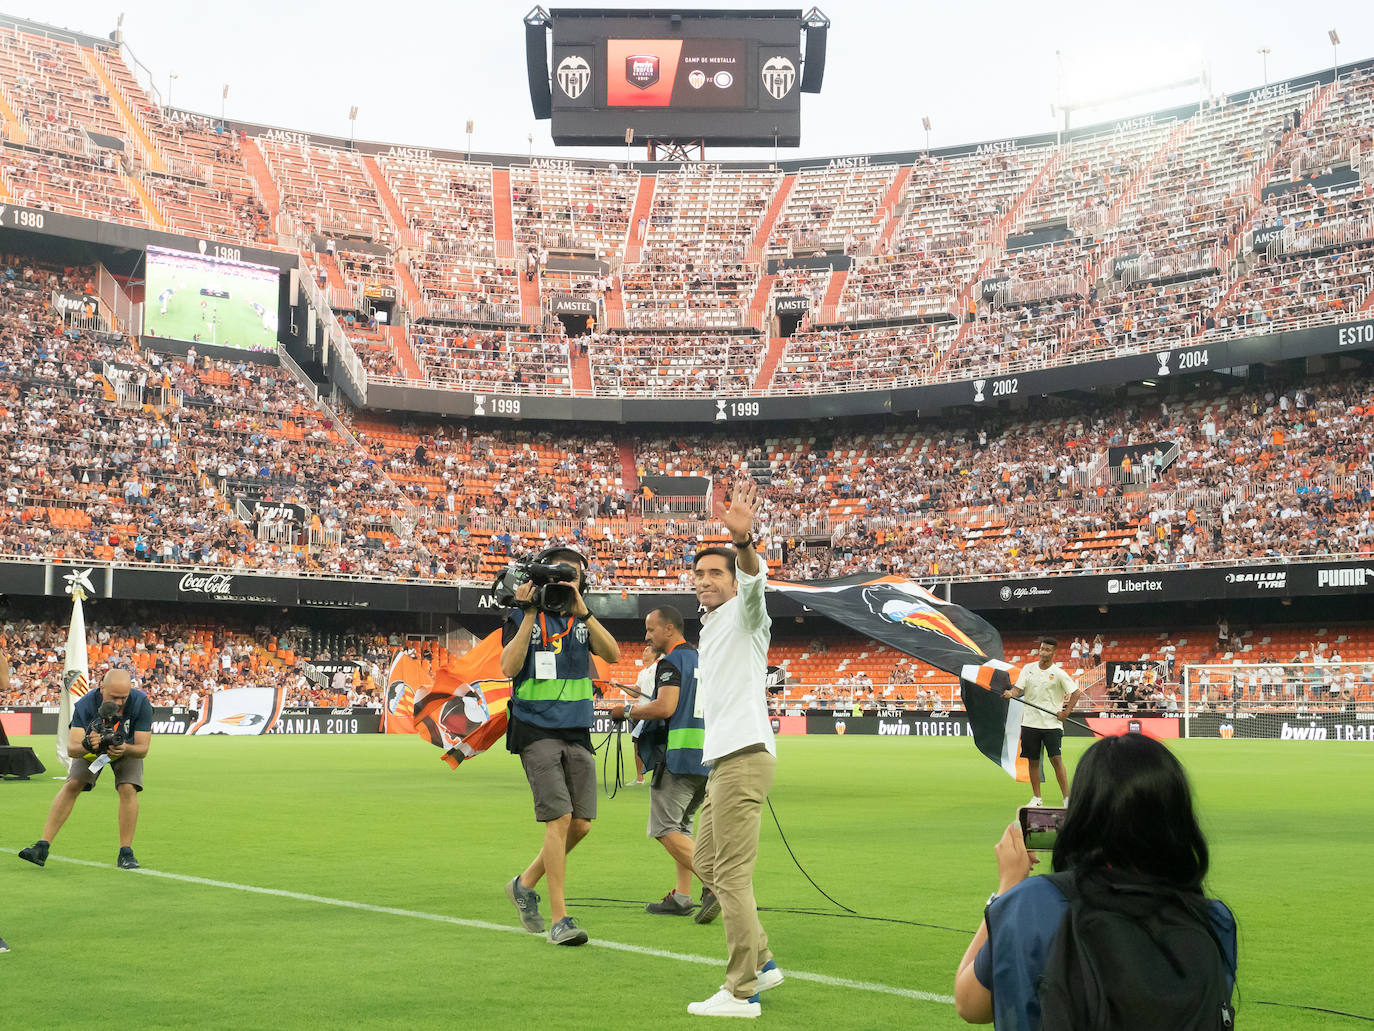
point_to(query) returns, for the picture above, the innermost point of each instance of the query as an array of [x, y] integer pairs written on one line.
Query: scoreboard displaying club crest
[[728, 78]]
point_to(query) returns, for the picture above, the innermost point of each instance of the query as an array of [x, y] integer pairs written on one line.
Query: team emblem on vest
[[580, 632]]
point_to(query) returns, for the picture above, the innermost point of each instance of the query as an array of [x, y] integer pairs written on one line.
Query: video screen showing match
[[210, 300]]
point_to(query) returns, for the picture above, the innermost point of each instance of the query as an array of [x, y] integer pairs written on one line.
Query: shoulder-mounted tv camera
[[554, 581]]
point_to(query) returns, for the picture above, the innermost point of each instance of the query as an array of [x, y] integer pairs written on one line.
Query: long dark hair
[[1131, 808]]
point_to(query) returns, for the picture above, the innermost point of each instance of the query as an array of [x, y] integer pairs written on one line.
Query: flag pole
[[75, 673], [1032, 705]]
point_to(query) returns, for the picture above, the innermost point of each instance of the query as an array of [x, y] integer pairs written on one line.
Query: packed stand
[[662, 364], [499, 361], [160, 478], [832, 359], [179, 661]]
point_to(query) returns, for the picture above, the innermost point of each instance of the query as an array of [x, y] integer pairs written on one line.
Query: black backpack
[[1133, 954]]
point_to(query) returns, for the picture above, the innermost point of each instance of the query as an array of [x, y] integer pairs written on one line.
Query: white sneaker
[[723, 1004], [770, 976], [1066, 801], [1035, 802]]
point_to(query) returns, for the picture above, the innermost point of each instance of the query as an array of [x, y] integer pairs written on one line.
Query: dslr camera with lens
[[106, 727], [554, 581]]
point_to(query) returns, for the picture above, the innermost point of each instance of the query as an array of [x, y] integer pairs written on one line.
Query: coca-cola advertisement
[[233, 587], [204, 585]]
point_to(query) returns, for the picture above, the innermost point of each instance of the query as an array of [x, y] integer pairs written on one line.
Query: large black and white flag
[[907, 617]]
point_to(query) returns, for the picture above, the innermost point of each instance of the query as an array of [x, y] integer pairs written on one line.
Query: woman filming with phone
[[1120, 935]]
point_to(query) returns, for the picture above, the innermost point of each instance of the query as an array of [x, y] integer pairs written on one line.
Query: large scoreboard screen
[[729, 78]]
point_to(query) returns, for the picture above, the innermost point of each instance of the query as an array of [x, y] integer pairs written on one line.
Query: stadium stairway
[[998, 241], [502, 221], [771, 357], [337, 287], [14, 131], [530, 312], [580, 367], [629, 473], [145, 200], [409, 289], [891, 199], [390, 204], [614, 316], [1237, 273], [760, 244], [1171, 145], [830, 304], [644, 202], [405, 356], [258, 172], [1256, 188], [758, 304], [152, 157]]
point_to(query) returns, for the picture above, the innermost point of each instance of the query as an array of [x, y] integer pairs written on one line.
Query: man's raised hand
[[739, 517]]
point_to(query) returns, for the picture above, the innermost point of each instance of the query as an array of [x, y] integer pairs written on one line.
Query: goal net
[[1286, 700]]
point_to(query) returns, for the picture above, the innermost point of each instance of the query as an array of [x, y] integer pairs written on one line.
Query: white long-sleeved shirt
[[731, 667]]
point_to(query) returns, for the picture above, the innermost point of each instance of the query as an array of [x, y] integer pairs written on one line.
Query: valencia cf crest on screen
[[641, 70], [574, 76], [779, 74]]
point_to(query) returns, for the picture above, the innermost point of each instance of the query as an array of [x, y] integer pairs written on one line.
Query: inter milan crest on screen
[[574, 76], [779, 74], [641, 70]]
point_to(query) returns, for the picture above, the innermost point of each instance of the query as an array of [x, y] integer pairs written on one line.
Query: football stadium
[[660, 492]]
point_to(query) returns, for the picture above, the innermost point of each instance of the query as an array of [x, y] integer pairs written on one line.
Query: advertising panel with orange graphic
[[708, 74]]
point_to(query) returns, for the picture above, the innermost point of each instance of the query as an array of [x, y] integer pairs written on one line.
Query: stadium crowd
[[180, 661], [1261, 471]]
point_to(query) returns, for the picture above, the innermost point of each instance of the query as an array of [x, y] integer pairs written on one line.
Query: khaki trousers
[[727, 848]]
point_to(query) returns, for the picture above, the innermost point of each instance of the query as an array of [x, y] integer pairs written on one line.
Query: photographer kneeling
[[1125, 902], [549, 639], [112, 725]]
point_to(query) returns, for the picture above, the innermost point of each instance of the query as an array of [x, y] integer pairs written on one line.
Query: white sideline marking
[[483, 925]]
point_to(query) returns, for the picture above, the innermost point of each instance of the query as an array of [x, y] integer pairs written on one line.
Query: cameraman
[[134, 719], [548, 657]]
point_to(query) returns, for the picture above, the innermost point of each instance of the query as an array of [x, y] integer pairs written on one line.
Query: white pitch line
[[483, 925]]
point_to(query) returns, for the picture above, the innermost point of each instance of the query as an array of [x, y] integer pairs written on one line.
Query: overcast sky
[[981, 71]]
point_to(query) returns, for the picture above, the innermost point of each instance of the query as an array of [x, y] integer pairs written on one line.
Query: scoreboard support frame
[[685, 151]]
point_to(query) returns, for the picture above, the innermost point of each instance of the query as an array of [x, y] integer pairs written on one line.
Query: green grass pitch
[[893, 827], [228, 322]]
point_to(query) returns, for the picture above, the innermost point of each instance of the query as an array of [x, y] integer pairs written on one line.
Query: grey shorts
[[673, 801], [562, 778], [126, 771]]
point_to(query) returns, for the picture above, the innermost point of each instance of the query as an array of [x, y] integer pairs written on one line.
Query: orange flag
[[464, 710]]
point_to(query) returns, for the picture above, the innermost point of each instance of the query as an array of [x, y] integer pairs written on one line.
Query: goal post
[[1317, 700]]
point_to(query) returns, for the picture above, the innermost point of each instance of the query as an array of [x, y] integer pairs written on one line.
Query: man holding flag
[[1050, 695]]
